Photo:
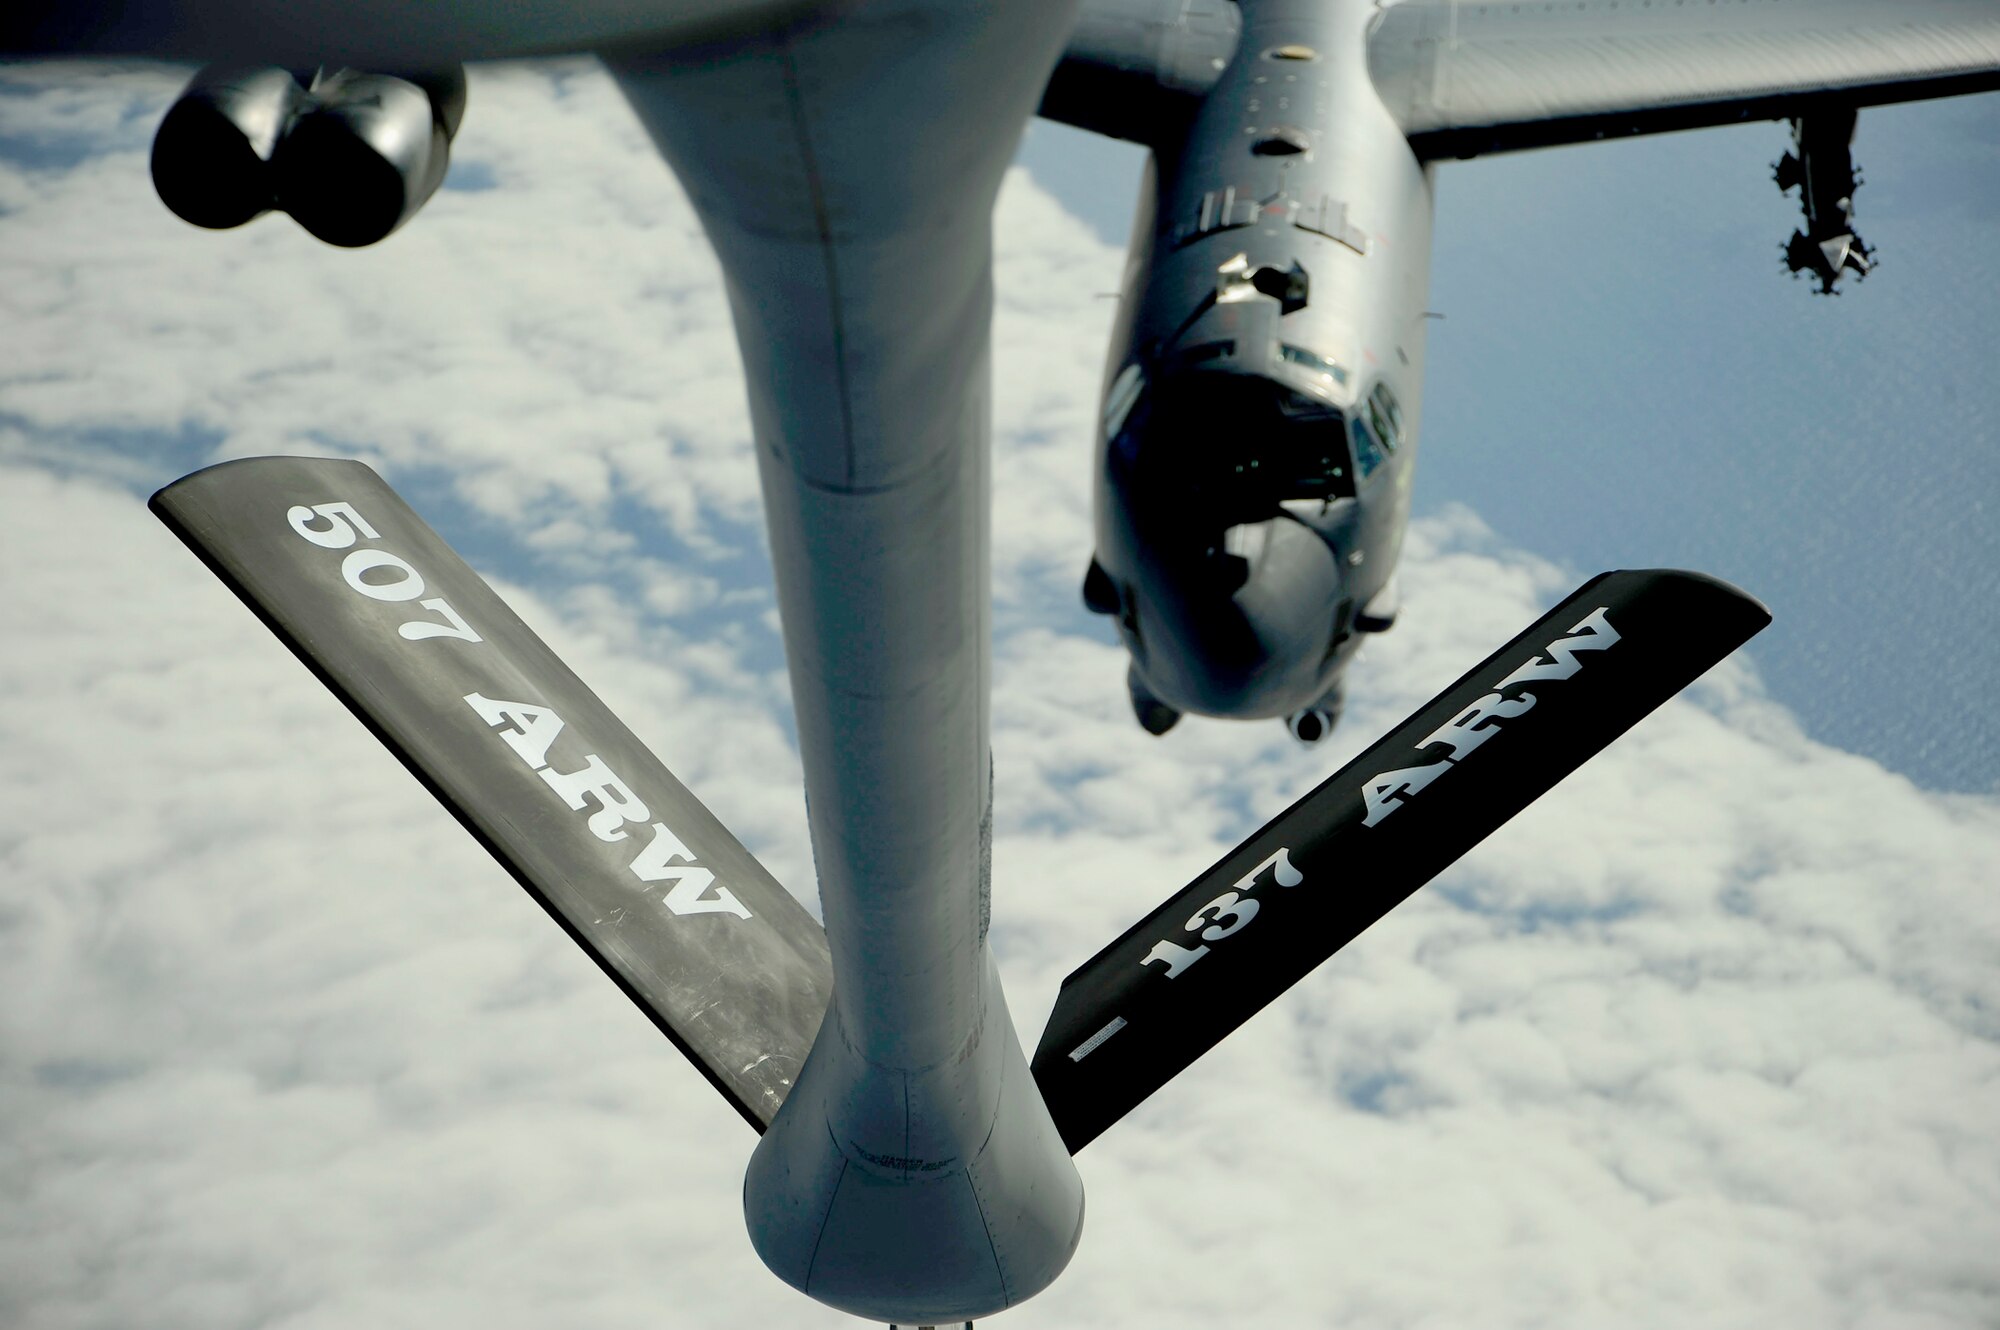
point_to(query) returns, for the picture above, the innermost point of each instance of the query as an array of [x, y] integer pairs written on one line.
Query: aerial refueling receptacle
[[350, 155]]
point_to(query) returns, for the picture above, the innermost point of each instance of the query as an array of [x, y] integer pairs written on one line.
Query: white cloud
[[539, 346], [1707, 1037]]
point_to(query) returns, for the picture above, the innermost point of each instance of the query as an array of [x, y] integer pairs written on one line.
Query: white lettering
[[416, 630], [1174, 958], [409, 584], [1378, 793], [1563, 662], [596, 782], [1280, 864], [1224, 917], [1239, 910], [691, 880], [693, 889], [1464, 732], [338, 535], [1478, 722], [535, 728]]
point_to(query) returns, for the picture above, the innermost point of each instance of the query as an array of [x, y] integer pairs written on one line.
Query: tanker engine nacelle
[[351, 156]]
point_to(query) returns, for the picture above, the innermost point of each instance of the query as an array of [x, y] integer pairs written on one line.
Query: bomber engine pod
[[212, 153], [350, 155], [371, 151]]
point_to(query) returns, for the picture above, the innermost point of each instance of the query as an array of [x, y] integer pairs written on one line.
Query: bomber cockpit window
[[1232, 446], [1308, 450], [1367, 452], [1124, 394], [1202, 354], [1386, 417], [1313, 363]]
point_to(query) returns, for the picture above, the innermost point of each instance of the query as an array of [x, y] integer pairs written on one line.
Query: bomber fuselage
[[1261, 396]]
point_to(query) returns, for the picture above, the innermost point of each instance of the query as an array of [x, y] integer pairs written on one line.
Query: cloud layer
[[1707, 1037]]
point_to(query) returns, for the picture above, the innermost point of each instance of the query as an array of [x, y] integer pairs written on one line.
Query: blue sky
[[1624, 377], [1707, 1037]]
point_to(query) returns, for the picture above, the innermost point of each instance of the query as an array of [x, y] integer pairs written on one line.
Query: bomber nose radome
[[1229, 606], [1249, 631]]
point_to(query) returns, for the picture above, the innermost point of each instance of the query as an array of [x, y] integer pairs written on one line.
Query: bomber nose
[[1229, 606], [1252, 627]]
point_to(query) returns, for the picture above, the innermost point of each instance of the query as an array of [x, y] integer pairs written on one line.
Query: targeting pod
[[350, 155]]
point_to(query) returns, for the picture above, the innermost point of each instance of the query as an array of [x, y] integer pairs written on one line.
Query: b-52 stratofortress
[[1259, 427]]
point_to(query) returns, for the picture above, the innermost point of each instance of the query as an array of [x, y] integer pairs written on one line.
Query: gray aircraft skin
[[1262, 386], [914, 1174], [1262, 398]]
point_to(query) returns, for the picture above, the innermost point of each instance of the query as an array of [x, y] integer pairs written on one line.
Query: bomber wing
[[1136, 69], [1467, 79]]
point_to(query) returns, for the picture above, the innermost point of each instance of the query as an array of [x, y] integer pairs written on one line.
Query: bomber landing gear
[[1309, 726], [1100, 596], [1155, 716], [1317, 721], [1822, 170]]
